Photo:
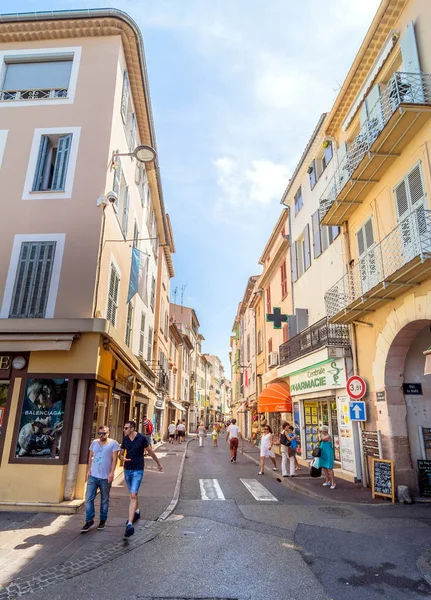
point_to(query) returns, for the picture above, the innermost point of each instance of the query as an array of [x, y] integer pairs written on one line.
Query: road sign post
[[357, 410], [356, 387]]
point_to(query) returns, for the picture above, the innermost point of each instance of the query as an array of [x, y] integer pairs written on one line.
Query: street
[[234, 534]]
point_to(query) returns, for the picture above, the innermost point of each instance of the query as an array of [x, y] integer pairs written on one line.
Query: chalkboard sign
[[424, 467], [426, 432], [383, 478]]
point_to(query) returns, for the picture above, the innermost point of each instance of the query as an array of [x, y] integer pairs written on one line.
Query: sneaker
[[333, 486], [234, 461], [130, 530], [274, 468], [231, 460], [261, 473], [87, 526], [136, 517], [326, 484], [101, 525]]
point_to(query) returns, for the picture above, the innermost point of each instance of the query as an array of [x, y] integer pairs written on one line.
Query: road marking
[[210, 489], [257, 490]]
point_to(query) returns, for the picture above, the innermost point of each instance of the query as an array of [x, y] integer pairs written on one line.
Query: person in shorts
[[171, 432], [132, 455], [181, 430]]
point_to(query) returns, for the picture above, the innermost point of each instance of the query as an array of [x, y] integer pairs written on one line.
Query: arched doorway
[[401, 415]]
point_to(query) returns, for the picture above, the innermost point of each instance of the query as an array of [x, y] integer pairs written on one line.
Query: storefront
[[275, 407], [319, 397]]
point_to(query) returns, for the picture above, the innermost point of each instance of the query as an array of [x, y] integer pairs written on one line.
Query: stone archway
[[393, 344]]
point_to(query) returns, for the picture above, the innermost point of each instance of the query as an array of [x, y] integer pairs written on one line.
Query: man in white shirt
[[232, 434], [171, 432]]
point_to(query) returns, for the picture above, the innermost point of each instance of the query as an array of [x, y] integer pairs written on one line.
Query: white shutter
[[402, 200], [361, 242], [416, 187], [369, 234], [117, 179], [125, 220], [307, 250], [409, 51], [293, 262], [150, 344], [61, 162], [112, 308], [125, 97], [132, 141], [142, 335], [129, 322]]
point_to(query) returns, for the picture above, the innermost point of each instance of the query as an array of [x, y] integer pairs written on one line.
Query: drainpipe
[[75, 443]]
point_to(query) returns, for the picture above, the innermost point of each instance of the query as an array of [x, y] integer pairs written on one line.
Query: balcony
[[401, 111], [319, 335], [14, 95], [386, 270]]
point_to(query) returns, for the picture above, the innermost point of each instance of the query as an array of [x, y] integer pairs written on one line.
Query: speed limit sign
[[356, 387]]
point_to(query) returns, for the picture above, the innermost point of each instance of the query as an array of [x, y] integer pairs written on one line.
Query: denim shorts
[[133, 479]]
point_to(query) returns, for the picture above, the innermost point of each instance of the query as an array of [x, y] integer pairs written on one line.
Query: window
[[298, 201], [317, 242], [285, 333], [268, 300], [299, 246], [135, 234], [166, 324], [36, 79], [307, 249], [162, 314], [270, 345], [125, 97], [142, 335], [283, 273], [129, 324], [153, 292], [33, 279], [259, 342], [327, 157], [312, 173], [150, 344], [248, 347], [143, 288], [114, 284], [52, 162], [132, 137]]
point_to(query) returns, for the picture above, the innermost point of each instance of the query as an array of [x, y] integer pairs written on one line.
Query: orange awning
[[275, 398]]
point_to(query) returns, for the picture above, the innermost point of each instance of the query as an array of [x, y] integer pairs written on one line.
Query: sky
[[237, 87]]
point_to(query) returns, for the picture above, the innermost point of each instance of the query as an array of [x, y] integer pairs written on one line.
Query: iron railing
[[402, 88], [410, 239], [14, 95], [319, 335]]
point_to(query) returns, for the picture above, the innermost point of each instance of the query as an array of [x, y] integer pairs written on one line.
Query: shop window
[[4, 387], [41, 420]]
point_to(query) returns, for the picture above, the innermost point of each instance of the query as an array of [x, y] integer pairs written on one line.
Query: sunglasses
[[126, 428], [103, 433]]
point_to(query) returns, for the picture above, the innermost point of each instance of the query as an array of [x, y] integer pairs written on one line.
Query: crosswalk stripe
[[211, 490], [257, 490]]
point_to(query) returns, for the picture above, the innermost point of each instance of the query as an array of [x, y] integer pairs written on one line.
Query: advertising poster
[[346, 436], [41, 423], [297, 427]]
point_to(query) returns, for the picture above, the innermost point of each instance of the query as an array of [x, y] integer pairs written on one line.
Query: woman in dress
[[326, 459], [201, 431], [266, 450]]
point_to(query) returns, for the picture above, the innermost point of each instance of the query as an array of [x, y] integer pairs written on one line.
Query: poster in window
[[41, 423]]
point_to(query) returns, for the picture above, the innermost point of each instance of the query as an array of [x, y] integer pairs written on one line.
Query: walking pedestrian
[[132, 453], [181, 430], [285, 445], [266, 450], [148, 430], [176, 429], [232, 434], [326, 458], [171, 432], [101, 468], [201, 431], [214, 434]]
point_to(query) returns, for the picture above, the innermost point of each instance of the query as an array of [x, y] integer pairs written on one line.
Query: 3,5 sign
[[356, 387]]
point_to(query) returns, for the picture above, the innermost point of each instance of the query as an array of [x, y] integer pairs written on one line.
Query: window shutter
[[409, 51], [402, 199], [117, 179], [129, 322], [61, 162], [33, 279], [125, 220], [145, 281], [41, 163], [132, 141], [307, 250], [114, 282], [153, 292], [142, 335], [416, 187], [125, 97], [317, 242], [135, 235], [294, 262], [369, 234], [150, 344], [361, 242]]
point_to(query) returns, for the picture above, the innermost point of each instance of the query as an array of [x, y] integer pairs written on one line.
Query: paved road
[[235, 534]]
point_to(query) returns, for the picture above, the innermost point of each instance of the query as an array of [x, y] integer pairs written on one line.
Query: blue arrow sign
[[357, 411]]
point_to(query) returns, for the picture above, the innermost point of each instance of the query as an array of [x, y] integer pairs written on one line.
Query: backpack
[[149, 427]]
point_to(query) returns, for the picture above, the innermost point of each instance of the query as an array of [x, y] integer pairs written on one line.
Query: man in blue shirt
[[132, 453]]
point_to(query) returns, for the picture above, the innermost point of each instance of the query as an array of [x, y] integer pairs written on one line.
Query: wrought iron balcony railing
[[385, 270], [319, 335], [13, 95], [369, 151]]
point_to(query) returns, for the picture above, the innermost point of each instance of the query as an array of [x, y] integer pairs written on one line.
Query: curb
[[424, 565], [297, 488], [173, 503]]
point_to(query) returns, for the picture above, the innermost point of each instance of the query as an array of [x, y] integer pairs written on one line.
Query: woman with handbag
[[326, 458], [266, 450]]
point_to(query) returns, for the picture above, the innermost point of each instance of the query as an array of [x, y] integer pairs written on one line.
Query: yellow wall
[[81, 358]]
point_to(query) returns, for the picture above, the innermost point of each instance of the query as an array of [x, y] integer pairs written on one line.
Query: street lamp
[[143, 154]]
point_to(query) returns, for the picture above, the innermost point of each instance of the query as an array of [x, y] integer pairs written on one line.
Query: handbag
[[290, 451], [314, 470], [317, 452]]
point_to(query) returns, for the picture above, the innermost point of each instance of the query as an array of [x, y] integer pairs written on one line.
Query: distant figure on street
[[266, 450], [132, 453], [176, 430], [148, 430], [101, 468], [201, 431], [232, 434], [181, 430], [171, 432], [214, 434], [326, 459]]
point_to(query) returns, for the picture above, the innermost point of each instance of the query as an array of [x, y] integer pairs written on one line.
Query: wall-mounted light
[[143, 154]]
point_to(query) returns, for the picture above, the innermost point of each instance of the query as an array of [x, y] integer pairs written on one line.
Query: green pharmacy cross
[[277, 318]]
